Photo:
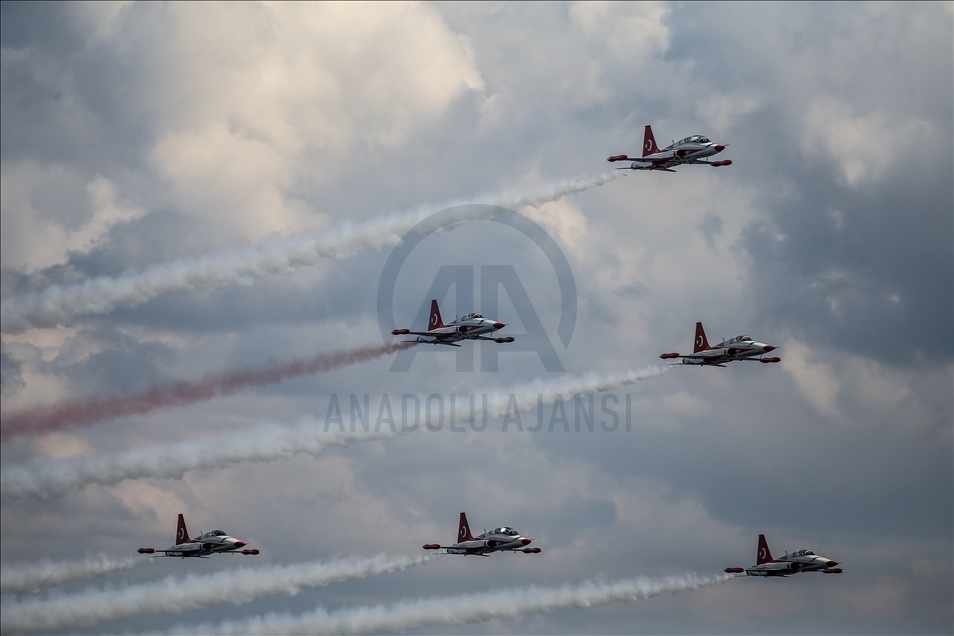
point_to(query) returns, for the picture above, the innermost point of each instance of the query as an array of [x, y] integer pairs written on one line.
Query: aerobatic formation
[[45, 480]]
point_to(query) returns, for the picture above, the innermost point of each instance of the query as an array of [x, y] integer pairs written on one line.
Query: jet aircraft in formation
[[798, 561], [470, 327], [692, 149], [502, 539], [738, 348], [215, 542]]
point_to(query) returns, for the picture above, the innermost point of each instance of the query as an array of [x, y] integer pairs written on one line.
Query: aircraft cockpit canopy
[[804, 553], [695, 139], [510, 532], [217, 533], [742, 339]]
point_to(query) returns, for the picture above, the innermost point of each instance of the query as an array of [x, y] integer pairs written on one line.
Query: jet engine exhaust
[[31, 577], [532, 394], [184, 593], [92, 410], [45, 478], [464, 609], [61, 305]]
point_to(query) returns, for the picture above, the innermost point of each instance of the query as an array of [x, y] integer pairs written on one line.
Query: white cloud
[[47, 212], [864, 146], [817, 381], [264, 96]]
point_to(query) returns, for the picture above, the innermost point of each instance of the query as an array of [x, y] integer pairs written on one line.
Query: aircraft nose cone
[[770, 348], [240, 544], [499, 325], [832, 564], [719, 147], [526, 541]]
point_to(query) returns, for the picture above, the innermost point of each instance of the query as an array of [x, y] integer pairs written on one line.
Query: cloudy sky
[[185, 139]]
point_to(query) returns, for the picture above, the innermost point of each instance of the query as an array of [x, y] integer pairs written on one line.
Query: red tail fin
[[434, 322], [463, 533], [764, 555], [701, 344], [649, 142], [182, 535]]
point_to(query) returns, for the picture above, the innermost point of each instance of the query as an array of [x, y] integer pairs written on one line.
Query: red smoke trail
[[89, 411]]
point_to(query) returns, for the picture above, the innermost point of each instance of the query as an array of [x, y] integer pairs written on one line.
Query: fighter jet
[[502, 539], [692, 149], [470, 327], [215, 542], [798, 561], [738, 348]]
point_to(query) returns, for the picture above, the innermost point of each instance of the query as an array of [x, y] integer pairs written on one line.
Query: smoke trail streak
[[45, 479], [63, 304], [92, 410], [179, 594], [33, 576], [464, 609], [540, 391]]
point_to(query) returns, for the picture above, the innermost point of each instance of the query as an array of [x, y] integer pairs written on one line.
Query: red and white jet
[[470, 327], [215, 542], [692, 149], [502, 539], [738, 348], [798, 561]]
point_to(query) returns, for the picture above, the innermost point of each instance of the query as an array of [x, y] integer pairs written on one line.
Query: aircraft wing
[[176, 554], [708, 358], [439, 337], [449, 339], [663, 164]]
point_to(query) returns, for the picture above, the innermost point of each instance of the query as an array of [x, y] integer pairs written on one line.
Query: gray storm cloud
[[33, 576], [183, 593], [64, 304], [464, 609], [44, 478]]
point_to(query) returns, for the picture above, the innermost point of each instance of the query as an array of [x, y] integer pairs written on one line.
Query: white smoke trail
[[547, 391], [179, 594], [33, 576], [45, 478], [63, 304], [464, 609]]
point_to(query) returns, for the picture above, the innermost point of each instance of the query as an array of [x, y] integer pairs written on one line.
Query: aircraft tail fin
[[182, 534], [701, 343], [463, 533], [764, 555], [434, 322], [649, 142]]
